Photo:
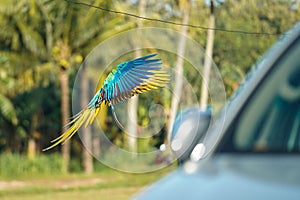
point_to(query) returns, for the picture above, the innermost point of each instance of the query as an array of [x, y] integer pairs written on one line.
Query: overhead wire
[[170, 22]]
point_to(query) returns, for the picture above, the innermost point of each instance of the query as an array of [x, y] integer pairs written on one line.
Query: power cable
[[171, 22]]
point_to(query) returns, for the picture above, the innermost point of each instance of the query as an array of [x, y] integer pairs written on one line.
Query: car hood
[[231, 177]]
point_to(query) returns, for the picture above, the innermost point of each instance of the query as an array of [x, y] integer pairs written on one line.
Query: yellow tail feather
[[87, 115]]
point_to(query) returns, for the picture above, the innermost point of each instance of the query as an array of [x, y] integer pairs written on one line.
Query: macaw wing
[[135, 77]]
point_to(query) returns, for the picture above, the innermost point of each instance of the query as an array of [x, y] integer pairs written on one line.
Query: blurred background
[[44, 42]]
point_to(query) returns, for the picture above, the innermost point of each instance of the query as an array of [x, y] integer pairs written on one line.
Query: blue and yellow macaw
[[126, 80]]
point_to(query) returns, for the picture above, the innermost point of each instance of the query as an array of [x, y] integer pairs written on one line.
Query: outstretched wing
[[134, 77]]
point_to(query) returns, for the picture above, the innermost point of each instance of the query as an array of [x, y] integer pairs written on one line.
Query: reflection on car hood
[[232, 177]]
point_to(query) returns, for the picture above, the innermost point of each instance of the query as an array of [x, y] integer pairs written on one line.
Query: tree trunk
[[96, 147], [132, 123], [208, 58], [133, 102], [86, 132], [101, 119], [179, 69], [65, 114], [31, 146]]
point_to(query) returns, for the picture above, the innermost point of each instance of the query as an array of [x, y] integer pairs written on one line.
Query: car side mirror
[[189, 127]]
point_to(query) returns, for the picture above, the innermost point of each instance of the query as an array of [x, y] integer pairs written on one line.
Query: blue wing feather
[[122, 82]]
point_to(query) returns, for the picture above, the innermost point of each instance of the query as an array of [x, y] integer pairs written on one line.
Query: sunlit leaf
[[7, 110]]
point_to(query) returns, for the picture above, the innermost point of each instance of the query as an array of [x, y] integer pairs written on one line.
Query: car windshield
[[270, 121]]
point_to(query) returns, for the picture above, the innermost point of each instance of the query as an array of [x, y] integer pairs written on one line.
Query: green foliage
[[33, 33], [13, 165], [235, 53], [17, 165], [7, 110], [145, 145]]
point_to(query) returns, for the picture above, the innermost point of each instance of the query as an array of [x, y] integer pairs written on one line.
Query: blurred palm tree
[[19, 42], [185, 8], [42, 39]]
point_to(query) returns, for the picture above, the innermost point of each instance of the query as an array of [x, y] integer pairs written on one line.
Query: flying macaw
[[126, 80]]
